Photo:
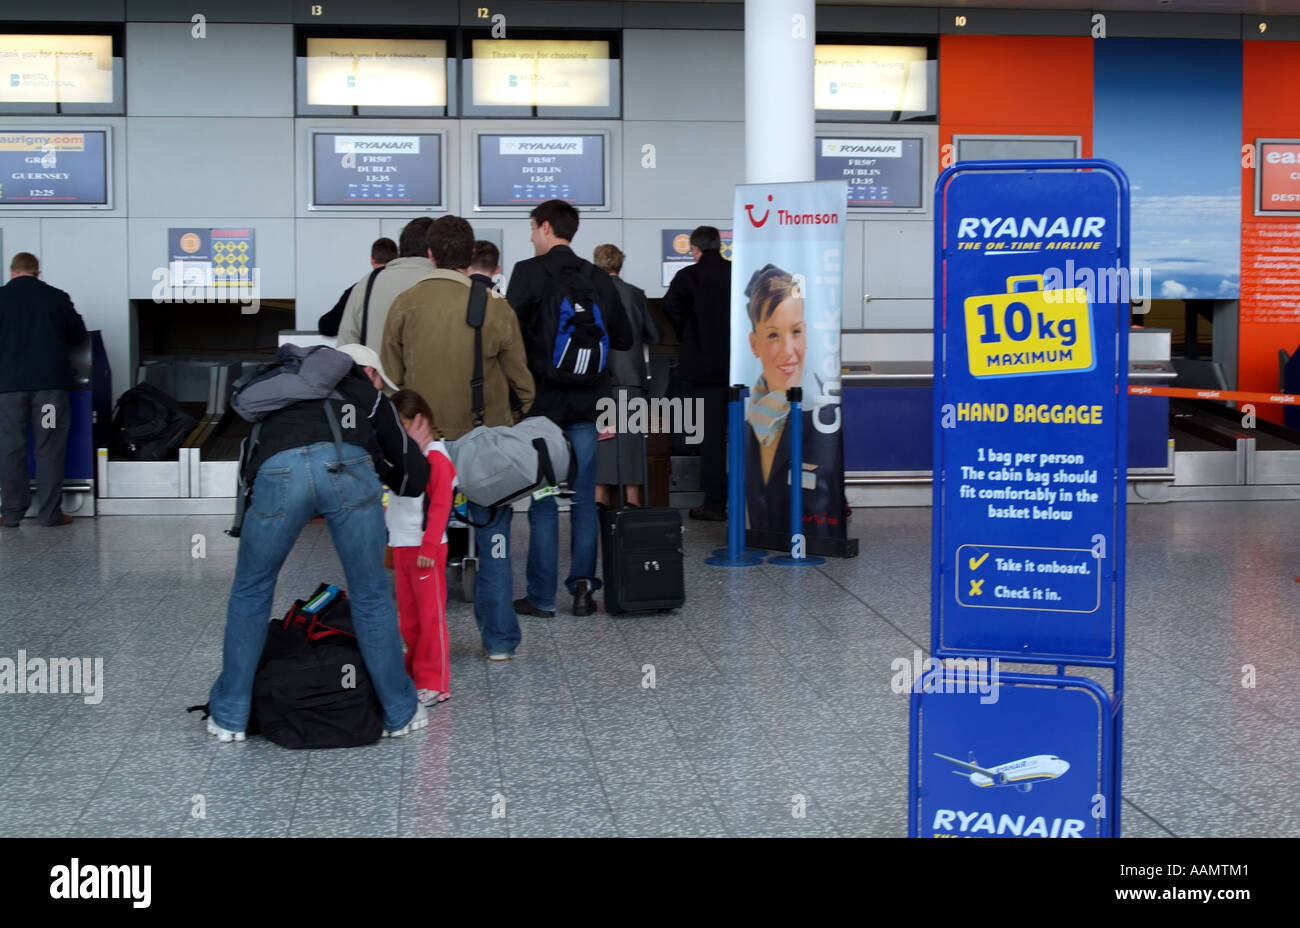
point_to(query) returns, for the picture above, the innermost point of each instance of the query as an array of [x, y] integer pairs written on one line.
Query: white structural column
[[780, 36]]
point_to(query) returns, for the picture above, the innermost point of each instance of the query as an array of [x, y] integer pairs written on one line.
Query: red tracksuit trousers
[[422, 614]]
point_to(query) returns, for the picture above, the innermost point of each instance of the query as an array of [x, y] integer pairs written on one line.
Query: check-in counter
[[203, 478], [888, 406]]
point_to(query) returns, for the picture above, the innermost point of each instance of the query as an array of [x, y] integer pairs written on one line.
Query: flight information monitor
[[882, 173], [517, 171], [40, 168], [376, 170]]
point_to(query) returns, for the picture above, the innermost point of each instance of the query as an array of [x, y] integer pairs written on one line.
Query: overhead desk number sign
[[1030, 426]]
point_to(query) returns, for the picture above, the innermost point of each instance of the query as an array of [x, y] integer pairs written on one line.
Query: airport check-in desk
[[203, 478], [887, 403], [888, 411]]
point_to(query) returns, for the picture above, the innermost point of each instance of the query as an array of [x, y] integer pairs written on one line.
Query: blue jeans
[[544, 526], [291, 488], [493, 584]]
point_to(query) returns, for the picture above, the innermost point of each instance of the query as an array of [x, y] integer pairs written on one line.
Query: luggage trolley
[[460, 555]]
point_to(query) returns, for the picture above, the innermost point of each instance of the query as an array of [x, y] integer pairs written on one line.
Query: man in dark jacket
[[485, 263], [37, 326], [698, 304], [534, 284], [382, 251], [301, 466]]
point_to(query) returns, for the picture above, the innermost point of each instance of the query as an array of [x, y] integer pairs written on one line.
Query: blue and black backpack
[[579, 341]]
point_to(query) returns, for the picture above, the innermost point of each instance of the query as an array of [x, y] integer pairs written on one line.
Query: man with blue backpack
[[570, 316]]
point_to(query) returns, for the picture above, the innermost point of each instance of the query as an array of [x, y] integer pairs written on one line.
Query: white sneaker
[[499, 656], [418, 721], [222, 734], [430, 698]]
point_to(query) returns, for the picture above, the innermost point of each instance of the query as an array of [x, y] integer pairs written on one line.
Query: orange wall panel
[[1270, 245], [1015, 85]]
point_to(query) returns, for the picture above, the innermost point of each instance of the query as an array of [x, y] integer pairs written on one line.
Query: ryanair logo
[[862, 148], [377, 144], [540, 145]]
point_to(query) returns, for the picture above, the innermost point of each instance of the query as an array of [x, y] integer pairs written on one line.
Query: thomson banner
[[786, 288]]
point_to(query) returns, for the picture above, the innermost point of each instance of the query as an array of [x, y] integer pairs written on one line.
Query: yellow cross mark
[[975, 587]]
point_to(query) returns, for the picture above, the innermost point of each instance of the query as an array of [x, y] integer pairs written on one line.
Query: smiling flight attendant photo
[[778, 339]]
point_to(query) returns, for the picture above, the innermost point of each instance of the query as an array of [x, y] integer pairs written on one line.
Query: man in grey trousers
[[38, 325]]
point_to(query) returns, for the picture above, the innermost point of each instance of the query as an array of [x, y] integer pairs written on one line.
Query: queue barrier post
[[735, 554], [794, 422]]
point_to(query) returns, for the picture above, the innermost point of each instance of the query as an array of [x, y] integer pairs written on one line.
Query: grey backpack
[[298, 374], [497, 465]]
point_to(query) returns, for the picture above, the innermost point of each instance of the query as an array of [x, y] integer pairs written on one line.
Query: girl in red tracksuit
[[417, 533]]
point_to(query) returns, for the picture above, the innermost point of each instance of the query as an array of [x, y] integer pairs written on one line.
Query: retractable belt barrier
[[1227, 396]]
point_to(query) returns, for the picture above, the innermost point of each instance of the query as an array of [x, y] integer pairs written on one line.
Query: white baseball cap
[[366, 357]]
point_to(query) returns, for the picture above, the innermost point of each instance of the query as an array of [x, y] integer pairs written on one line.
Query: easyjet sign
[[1279, 176]]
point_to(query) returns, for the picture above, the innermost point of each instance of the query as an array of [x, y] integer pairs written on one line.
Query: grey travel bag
[[496, 465]]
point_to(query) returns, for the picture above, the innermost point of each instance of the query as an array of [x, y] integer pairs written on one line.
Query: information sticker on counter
[[1030, 411]]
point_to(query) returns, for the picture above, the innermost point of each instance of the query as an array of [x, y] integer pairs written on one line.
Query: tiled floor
[[770, 684]]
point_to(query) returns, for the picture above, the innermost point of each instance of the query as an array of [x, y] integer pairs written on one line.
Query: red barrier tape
[[1227, 396]]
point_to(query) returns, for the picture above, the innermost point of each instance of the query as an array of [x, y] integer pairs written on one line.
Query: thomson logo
[[550, 146], [786, 218], [88, 881], [749, 211], [850, 148]]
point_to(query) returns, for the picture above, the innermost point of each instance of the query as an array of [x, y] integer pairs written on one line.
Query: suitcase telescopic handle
[[1013, 283]]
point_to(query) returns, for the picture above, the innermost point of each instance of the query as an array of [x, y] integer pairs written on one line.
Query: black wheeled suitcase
[[642, 556]]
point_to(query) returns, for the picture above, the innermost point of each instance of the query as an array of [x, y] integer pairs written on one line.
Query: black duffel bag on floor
[[312, 689]]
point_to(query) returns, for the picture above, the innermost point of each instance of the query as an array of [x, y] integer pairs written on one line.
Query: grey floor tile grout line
[[496, 741], [676, 737], [1155, 821], [811, 797], [867, 606], [600, 781], [717, 811], [180, 664]]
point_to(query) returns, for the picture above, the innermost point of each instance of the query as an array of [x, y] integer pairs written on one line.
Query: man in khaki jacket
[[429, 348]]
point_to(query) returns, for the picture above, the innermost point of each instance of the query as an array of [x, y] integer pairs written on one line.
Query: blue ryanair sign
[[1030, 427], [1030, 403]]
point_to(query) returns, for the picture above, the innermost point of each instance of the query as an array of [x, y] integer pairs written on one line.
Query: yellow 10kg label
[[1029, 332]]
